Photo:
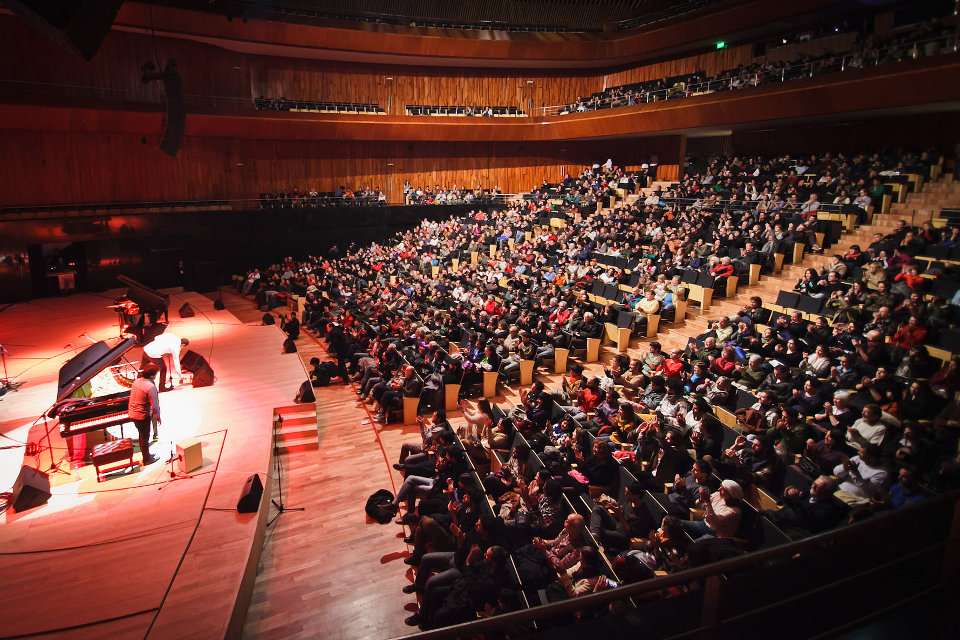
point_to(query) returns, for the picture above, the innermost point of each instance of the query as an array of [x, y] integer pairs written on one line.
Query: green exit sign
[[721, 45]]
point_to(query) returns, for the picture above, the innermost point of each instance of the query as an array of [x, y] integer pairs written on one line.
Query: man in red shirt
[[143, 406]]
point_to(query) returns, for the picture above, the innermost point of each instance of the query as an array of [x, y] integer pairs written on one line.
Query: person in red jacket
[[673, 366], [722, 270], [561, 315], [590, 396], [912, 278], [725, 364], [909, 334]]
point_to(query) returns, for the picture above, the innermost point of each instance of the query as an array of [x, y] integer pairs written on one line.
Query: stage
[[138, 555]]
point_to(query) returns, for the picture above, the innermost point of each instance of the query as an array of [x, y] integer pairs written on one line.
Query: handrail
[[239, 204], [856, 531], [806, 69]]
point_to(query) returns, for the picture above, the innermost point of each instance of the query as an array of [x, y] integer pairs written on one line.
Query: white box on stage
[[189, 455]]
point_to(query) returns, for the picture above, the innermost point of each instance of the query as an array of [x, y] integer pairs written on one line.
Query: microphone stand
[[54, 466], [174, 475], [5, 382], [280, 507]]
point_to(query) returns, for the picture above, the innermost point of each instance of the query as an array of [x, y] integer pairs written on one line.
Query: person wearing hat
[[722, 512]]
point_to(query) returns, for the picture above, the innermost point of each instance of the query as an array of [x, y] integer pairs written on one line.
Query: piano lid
[[88, 363], [147, 298]]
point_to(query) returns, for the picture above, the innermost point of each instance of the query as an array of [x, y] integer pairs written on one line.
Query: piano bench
[[113, 451]]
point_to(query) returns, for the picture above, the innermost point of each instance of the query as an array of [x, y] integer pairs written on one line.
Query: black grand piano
[[83, 414], [140, 308]]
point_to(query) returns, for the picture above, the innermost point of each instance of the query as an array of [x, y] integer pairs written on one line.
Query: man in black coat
[[809, 512]]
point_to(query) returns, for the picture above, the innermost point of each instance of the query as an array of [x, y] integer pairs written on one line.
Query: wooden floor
[[135, 556], [328, 571]]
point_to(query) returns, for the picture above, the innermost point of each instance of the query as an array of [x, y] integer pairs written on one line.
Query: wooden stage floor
[[136, 556]]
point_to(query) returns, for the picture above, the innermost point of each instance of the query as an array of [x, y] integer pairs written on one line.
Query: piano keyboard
[[94, 424]]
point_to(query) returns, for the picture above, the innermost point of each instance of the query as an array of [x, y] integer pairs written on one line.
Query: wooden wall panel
[[67, 168], [26, 55], [711, 62], [212, 71], [412, 85], [709, 146], [938, 131], [904, 85]]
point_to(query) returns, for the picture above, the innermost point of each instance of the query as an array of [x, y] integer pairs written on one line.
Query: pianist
[[144, 405], [164, 351]]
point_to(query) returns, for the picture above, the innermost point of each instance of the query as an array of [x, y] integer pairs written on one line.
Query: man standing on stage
[[164, 352], [144, 405]]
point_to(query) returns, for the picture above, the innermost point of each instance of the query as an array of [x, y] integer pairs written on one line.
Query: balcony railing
[[808, 69]]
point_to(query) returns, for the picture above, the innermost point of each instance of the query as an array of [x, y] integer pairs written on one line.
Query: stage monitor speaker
[[218, 303], [289, 346], [269, 319], [31, 489], [305, 393], [197, 365], [249, 501], [186, 311], [79, 26]]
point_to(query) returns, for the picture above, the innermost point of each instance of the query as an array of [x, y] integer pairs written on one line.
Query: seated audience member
[[871, 428], [588, 577], [613, 523], [828, 453], [563, 552], [903, 493], [685, 492], [722, 512], [483, 576], [862, 477], [809, 512]]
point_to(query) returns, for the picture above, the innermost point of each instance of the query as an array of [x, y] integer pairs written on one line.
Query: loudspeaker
[[31, 489], [176, 115], [189, 455], [78, 26], [269, 319], [289, 346], [305, 393], [197, 365], [186, 311], [218, 303], [249, 501]]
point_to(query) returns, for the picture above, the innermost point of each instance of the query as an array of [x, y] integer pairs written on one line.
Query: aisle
[[328, 571]]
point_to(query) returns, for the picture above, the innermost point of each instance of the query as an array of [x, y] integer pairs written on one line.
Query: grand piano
[[140, 308], [94, 388]]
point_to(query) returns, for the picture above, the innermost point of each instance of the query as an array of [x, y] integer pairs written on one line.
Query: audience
[[639, 415]]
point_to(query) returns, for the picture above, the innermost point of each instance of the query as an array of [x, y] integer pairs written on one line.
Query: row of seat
[[442, 110], [313, 106]]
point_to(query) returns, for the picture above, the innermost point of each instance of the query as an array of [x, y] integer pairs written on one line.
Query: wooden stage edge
[[134, 556]]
